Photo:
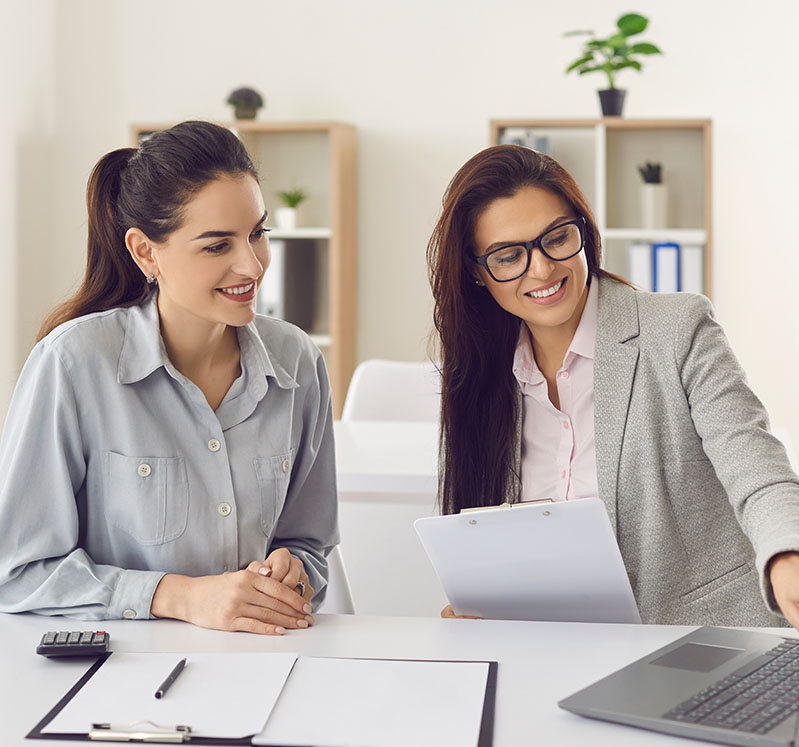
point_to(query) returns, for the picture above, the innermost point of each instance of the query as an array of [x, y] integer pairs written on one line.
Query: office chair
[[338, 600], [394, 390]]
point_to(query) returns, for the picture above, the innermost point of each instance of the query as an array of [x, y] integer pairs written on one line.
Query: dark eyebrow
[[557, 221], [225, 234]]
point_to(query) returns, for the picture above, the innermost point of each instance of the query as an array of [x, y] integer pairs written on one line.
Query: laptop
[[716, 684], [531, 561]]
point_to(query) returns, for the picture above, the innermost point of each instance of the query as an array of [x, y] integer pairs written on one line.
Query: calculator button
[[74, 637], [49, 637], [62, 637], [98, 638], [86, 637]]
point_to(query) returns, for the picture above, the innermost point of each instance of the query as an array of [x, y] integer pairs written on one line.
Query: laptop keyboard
[[748, 700]]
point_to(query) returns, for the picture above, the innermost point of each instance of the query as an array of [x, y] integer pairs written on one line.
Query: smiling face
[[210, 268], [551, 295]]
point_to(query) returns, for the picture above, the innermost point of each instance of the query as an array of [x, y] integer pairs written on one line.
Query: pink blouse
[[558, 447]]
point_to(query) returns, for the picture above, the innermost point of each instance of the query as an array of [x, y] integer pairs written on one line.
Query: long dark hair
[[477, 336], [147, 188]]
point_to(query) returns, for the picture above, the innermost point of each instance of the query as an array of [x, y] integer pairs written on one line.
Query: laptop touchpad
[[697, 657]]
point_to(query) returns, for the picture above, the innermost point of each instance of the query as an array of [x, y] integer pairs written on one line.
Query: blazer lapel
[[615, 361]]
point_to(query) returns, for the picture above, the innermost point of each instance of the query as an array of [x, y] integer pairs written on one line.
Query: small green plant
[[651, 172], [292, 197], [614, 53]]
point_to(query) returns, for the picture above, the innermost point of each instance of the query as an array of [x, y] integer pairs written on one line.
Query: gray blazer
[[700, 494]]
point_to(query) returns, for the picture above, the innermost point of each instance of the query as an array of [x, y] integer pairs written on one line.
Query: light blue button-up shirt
[[114, 469]]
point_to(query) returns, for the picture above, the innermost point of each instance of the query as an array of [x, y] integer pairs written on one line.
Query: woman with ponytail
[[560, 381], [168, 453]]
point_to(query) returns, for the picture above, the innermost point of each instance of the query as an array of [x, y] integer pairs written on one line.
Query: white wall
[[420, 80], [26, 220]]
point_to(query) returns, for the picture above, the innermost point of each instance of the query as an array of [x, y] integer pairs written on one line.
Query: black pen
[[173, 675]]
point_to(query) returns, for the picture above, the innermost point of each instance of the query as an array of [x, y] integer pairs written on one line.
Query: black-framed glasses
[[511, 261]]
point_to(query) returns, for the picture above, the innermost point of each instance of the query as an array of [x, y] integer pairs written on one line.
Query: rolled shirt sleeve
[[42, 566]]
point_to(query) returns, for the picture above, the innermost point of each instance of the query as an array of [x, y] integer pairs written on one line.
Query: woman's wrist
[[169, 599]]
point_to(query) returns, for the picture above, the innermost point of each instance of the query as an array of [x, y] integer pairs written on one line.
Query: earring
[[151, 279], [477, 282]]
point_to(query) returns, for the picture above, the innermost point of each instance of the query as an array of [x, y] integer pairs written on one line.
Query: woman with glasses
[[561, 381], [168, 453]]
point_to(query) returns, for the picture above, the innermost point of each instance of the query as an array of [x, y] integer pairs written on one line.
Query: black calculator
[[73, 643]]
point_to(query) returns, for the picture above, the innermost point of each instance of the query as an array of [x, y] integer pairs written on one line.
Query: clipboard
[[531, 561], [147, 731]]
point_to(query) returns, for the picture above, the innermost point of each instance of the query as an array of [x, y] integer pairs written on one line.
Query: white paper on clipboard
[[542, 561]]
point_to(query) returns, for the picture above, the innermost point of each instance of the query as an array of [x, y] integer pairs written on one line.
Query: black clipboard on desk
[[265, 698]]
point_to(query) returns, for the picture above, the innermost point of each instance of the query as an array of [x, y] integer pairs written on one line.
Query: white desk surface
[[539, 663], [379, 457]]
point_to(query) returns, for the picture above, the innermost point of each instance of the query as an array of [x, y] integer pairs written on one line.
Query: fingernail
[[280, 631], [310, 620], [307, 608], [264, 571], [302, 623]]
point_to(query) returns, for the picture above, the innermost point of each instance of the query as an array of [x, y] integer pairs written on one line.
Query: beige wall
[[421, 83]]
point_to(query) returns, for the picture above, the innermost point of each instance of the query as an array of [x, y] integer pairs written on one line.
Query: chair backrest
[[338, 600], [394, 390]]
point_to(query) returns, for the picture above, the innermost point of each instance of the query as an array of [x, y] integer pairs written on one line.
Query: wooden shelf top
[[617, 123], [257, 126]]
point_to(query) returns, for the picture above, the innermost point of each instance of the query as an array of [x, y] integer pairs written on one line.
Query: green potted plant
[[245, 102], [286, 216], [612, 54]]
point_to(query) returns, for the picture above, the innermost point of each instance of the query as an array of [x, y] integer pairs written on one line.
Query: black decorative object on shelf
[[245, 102], [651, 173]]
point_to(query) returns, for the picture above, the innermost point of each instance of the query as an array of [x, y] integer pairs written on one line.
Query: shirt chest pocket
[[273, 475], [146, 497]]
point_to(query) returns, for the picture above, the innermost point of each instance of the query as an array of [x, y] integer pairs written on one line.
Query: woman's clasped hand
[[263, 598]]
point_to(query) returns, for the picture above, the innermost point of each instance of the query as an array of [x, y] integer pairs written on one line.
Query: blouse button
[[564, 374], [214, 444], [566, 424], [224, 509], [144, 470], [129, 614], [286, 465]]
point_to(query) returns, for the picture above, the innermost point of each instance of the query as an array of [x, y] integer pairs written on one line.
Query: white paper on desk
[[217, 695], [379, 703]]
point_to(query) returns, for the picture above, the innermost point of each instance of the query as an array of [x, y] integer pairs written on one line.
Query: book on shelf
[[692, 268], [666, 267]]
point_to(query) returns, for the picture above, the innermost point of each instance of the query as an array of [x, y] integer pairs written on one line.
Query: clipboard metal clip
[[532, 502], [139, 731]]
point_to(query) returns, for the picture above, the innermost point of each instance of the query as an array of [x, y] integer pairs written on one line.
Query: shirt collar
[[526, 370], [143, 349]]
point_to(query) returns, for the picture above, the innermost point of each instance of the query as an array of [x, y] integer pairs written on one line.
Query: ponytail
[[112, 278]]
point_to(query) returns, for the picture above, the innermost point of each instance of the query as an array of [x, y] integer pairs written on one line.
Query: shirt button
[[286, 465], [224, 509], [129, 614], [566, 424], [564, 374], [214, 444], [563, 474], [144, 470]]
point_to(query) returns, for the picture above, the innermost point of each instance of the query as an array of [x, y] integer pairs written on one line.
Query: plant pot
[[612, 101], [286, 218], [244, 112], [653, 205]]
